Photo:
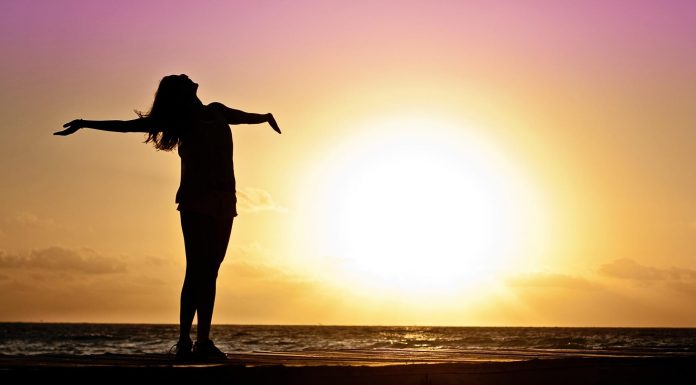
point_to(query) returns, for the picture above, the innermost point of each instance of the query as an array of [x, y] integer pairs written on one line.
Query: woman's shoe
[[207, 351], [182, 350]]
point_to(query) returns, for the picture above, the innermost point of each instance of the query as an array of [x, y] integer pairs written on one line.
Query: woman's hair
[[172, 111]]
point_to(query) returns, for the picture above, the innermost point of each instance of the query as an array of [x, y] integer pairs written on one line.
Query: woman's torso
[[207, 171]]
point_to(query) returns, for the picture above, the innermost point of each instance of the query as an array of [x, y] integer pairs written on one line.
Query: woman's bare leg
[[206, 239], [187, 308]]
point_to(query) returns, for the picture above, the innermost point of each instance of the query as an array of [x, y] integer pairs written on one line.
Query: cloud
[[249, 263], [675, 279], [30, 220], [630, 270], [255, 200], [24, 230], [258, 292], [83, 285], [550, 280], [240, 269], [250, 251], [619, 293], [62, 259]]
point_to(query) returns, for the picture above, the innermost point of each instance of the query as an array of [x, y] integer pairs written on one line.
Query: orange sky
[[486, 163]]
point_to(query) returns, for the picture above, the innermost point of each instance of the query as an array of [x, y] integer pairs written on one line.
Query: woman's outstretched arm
[[135, 125], [233, 116]]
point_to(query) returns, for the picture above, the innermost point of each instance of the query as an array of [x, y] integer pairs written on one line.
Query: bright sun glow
[[416, 204]]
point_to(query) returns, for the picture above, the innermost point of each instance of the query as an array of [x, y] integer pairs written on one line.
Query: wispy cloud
[[551, 280], [25, 229], [630, 270], [252, 200], [62, 259], [30, 220]]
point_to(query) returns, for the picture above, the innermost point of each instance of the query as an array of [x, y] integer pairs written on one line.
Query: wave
[[129, 339]]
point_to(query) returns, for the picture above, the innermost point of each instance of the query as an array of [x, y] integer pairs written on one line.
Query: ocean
[[47, 338]]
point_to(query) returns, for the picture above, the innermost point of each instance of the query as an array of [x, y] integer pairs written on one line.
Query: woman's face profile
[[194, 86], [191, 84]]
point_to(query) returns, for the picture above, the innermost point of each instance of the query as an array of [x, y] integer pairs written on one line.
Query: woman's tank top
[[207, 170]]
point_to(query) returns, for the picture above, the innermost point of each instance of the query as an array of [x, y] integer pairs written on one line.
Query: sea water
[[45, 338]]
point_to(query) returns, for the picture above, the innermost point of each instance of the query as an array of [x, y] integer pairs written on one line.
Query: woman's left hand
[[71, 127]]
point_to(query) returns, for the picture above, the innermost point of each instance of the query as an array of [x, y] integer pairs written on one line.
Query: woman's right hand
[[71, 127], [272, 122]]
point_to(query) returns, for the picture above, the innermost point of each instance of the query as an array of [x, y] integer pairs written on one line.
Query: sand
[[354, 367]]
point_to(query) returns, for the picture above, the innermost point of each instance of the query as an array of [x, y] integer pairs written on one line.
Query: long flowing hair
[[172, 111]]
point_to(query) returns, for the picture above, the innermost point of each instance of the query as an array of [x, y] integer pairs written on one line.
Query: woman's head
[[172, 110], [177, 88]]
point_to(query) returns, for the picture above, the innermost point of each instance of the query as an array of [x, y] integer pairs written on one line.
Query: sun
[[419, 204]]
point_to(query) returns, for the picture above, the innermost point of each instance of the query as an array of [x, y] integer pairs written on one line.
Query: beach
[[352, 367]]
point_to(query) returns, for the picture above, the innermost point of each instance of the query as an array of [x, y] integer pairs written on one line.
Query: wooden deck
[[352, 367]]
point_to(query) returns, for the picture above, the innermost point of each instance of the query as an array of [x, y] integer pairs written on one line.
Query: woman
[[206, 196]]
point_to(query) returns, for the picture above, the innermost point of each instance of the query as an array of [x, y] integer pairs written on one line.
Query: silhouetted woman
[[206, 196]]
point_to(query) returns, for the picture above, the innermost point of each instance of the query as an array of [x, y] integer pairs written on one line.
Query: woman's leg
[[189, 290], [187, 308], [220, 237], [206, 239]]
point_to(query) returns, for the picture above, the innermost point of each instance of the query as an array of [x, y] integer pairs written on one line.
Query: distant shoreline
[[350, 325]]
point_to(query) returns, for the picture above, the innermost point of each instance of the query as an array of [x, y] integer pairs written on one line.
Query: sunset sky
[[456, 163]]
